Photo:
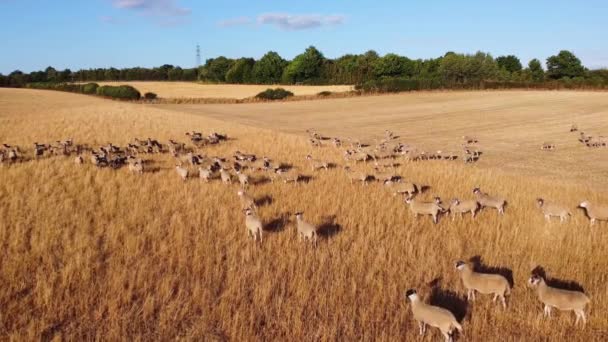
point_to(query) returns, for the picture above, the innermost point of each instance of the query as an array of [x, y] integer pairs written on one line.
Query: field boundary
[[338, 95]]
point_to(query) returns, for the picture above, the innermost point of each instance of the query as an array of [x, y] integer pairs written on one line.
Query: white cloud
[[165, 12], [299, 21]]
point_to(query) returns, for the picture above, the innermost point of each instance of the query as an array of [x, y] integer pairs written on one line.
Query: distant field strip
[[510, 125], [229, 91]]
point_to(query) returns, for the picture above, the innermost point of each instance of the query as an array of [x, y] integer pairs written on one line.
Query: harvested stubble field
[[94, 253], [185, 90]]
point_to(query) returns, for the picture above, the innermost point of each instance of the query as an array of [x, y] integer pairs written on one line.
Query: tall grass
[[103, 254]]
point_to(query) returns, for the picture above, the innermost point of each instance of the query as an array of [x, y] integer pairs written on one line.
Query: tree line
[[452, 70]]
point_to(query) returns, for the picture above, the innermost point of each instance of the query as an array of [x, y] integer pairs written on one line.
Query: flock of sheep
[[245, 169], [585, 139]]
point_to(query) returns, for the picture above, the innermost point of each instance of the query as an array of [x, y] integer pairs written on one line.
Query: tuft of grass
[[104, 254]]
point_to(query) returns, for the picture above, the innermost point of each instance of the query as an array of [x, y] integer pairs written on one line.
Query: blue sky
[[125, 33]]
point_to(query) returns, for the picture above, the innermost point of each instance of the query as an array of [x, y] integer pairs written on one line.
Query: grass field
[[233, 91], [94, 253]]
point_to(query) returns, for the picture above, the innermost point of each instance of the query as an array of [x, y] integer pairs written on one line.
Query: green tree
[[510, 63], [535, 69], [564, 64], [241, 71], [392, 65], [305, 68], [215, 69], [175, 74], [269, 69], [189, 74], [51, 74]]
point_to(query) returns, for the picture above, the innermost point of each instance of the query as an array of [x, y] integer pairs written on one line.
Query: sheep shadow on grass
[[263, 201], [450, 300], [479, 266], [329, 227], [277, 224], [556, 282], [260, 180], [305, 179]]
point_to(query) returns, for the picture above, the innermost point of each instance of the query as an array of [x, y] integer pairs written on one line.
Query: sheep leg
[[547, 311], [592, 222], [435, 218], [446, 335], [503, 300], [548, 218], [260, 231], [582, 314], [473, 294], [421, 327]]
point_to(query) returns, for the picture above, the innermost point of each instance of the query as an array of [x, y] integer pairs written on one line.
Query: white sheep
[[564, 300], [434, 316], [595, 212], [550, 209], [483, 283], [306, 231], [253, 224]]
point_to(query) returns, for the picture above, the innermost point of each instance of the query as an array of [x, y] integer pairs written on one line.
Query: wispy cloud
[[240, 21], [284, 21], [164, 12], [299, 21]]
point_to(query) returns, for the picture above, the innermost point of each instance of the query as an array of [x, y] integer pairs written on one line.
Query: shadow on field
[[263, 201], [260, 180], [305, 179], [556, 282], [450, 300], [285, 166], [278, 224], [478, 266], [329, 227]]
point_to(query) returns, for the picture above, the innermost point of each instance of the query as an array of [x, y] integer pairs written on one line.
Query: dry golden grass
[[103, 254], [184, 90]]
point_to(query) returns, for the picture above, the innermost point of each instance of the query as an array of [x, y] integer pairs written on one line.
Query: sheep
[[484, 283], [356, 156], [225, 176], [39, 149], [551, 209], [78, 160], [182, 172], [424, 208], [444, 207], [205, 174], [356, 176], [574, 128], [407, 188], [337, 142], [136, 165], [594, 212], [315, 142], [547, 146], [461, 207], [486, 200], [384, 176], [247, 202], [243, 178], [564, 300], [287, 176], [434, 316], [306, 230], [469, 140], [253, 224], [316, 164]]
